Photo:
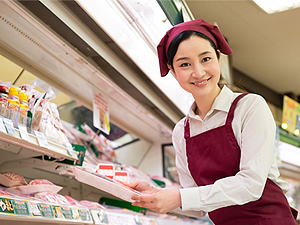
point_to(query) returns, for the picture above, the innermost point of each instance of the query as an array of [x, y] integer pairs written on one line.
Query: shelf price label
[[2, 127], [33, 209], [76, 214], [20, 207], [9, 127], [6, 206], [23, 132], [68, 213], [41, 139], [46, 210], [58, 211], [100, 217], [85, 214]]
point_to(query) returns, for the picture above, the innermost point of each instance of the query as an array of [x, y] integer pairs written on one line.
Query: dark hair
[[184, 35]]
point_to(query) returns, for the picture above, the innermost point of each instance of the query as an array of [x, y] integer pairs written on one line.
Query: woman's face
[[197, 67]]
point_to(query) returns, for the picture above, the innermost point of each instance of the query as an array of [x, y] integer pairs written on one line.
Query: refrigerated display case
[[60, 44]]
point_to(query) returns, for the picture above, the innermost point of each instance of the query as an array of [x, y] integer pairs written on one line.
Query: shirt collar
[[222, 102]]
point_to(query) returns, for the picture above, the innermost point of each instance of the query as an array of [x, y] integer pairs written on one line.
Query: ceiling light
[[275, 6]]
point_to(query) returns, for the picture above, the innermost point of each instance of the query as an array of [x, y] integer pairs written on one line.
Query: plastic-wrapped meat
[[12, 179], [40, 181], [51, 197], [90, 204], [72, 201]]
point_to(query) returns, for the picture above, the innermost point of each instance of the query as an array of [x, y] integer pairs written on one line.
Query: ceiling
[[266, 47]]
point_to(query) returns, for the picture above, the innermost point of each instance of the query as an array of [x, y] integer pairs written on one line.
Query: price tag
[[9, 127], [67, 212], [33, 209], [41, 139], [20, 207], [6, 206], [76, 214], [58, 211], [23, 132], [70, 149], [46, 210], [85, 215], [2, 127]]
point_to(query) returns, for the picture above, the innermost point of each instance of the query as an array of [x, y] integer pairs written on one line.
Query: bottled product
[[4, 88], [3, 103], [3, 99], [23, 108], [13, 98]]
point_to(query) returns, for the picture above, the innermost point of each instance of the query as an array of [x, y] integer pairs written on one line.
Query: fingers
[[162, 201]]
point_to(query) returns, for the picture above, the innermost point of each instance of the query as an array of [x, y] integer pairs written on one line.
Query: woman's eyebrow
[[185, 58]]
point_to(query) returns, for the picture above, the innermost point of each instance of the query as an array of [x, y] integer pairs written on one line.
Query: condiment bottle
[[13, 98], [23, 107]]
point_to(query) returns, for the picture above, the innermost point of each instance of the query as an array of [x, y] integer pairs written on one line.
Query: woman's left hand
[[163, 200]]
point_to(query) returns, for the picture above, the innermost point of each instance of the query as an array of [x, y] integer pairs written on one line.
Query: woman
[[224, 146]]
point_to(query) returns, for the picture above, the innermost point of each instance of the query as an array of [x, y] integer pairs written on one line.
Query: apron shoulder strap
[[187, 127], [232, 108]]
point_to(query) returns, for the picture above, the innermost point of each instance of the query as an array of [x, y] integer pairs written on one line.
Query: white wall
[[145, 156]]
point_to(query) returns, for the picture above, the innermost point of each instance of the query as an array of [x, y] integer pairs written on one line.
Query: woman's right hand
[[142, 186]]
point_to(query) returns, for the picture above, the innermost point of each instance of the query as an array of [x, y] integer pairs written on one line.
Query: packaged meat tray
[[10, 179], [105, 184], [36, 186]]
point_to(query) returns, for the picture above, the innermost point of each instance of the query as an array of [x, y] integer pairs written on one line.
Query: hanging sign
[[100, 111], [291, 116]]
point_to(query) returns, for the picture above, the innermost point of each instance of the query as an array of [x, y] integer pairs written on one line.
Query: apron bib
[[215, 154]]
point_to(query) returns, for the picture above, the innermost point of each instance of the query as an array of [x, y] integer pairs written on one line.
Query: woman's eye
[[205, 59], [184, 64]]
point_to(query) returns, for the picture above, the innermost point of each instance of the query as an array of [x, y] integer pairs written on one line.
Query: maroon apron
[[215, 154]]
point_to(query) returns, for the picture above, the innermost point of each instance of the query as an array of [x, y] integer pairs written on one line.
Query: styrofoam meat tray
[[105, 184], [7, 182], [31, 189]]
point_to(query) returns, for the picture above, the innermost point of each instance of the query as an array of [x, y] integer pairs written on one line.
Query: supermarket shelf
[[14, 209], [24, 149]]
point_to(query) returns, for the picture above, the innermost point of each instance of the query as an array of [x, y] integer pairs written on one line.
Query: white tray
[[31, 189], [105, 184], [7, 182]]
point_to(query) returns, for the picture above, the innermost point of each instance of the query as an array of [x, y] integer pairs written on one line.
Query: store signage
[[100, 111], [291, 116]]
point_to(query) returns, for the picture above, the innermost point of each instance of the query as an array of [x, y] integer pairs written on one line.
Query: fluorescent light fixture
[[137, 27], [275, 6]]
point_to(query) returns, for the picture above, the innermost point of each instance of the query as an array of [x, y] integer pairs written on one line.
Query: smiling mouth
[[202, 82]]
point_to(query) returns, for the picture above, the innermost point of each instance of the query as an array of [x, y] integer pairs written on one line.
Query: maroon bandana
[[199, 25]]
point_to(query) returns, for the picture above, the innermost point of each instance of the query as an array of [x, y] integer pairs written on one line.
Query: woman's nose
[[199, 70]]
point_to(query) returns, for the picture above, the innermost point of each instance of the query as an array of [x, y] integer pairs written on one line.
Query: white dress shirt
[[255, 130]]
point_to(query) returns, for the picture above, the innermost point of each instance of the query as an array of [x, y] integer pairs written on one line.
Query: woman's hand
[[161, 200]]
